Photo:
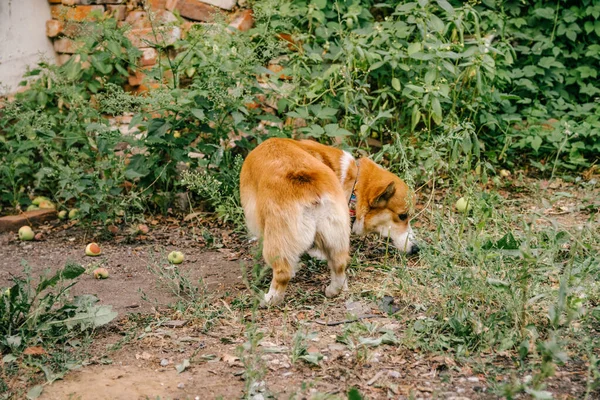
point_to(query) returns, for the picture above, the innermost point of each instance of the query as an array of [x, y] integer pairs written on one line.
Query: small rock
[[180, 385], [164, 362], [337, 347], [394, 374], [473, 379]]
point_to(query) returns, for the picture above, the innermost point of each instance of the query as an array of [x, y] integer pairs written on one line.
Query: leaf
[[14, 340], [416, 117], [34, 351], [312, 358], [507, 242], [334, 130], [94, 317], [70, 271], [198, 113], [321, 4], [9, 358], [158, 127], [413, 48], [547, 12], [396, 84], [539, 394], [436, 110], [497, 282], [446, 6], [35, 392], [536, 142], [181, 367], [354, 394], [371, 342]]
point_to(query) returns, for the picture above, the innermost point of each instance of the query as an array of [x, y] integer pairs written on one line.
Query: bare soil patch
[[137, 355]]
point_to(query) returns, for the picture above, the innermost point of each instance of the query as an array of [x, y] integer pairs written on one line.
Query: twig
[[375, 378], [428, 201], [348, 321]]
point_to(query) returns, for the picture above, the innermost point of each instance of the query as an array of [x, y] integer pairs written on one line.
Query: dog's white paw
[[333, 290], [272, 298]]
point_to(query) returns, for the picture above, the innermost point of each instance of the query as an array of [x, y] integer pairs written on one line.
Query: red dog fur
[[296, 195]]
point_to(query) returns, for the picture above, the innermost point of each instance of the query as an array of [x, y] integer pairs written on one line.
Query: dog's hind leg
[[333, 239], [282, 273], [283, 245]]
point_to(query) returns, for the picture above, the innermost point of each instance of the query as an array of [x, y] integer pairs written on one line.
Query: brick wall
[[68, 17]]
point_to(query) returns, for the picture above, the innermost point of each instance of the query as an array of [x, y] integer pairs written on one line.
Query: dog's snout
[[414, 249]]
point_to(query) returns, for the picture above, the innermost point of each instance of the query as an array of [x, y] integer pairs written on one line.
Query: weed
[[41, 327], [193, 300]]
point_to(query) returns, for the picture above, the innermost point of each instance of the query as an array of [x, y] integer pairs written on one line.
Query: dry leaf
[[229, 359], [34, 351]]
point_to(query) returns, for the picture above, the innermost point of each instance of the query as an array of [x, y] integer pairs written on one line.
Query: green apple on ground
[[62, 214], [463, 205], [46, 204], [26, 233], [93, 250], [74, 213], [38, 200], [100, 273], [175, 257]]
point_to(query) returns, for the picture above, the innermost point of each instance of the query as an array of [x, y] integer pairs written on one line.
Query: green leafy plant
[[42, 320]]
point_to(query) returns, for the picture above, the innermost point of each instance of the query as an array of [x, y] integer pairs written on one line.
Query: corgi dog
[[305, 197]]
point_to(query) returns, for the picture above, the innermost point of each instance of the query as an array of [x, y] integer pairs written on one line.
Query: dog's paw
[[334, 290], [272, 298]]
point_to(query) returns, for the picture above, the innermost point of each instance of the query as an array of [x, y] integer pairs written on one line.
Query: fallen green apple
[[38, 200], [26, 233], [62, 214], [175, 257], [74, 213], [463, 205]]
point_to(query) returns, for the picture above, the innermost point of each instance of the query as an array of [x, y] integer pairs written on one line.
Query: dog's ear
[[383, 195]]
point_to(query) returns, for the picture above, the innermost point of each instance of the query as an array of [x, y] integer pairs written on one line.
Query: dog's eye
[[403, 217]]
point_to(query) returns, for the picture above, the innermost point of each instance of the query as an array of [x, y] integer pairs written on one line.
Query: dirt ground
[[144, 365]]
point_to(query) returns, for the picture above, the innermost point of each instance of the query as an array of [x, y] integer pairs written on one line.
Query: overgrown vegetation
[[434, 84], [445, 93], [43, 328]]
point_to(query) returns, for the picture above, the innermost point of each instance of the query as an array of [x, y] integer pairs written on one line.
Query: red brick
[[243, 21], [54, 27], [118, 11], [137, 78], [138, 19], [61, 59], [149, 57], [66, 45], [292, 44], [157, 4], [14, 222], [78, 13], [170, 4], [145, 36], [196, 10]]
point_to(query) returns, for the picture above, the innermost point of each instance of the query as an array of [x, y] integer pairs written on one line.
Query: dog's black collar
[[352, 200]]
